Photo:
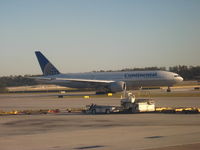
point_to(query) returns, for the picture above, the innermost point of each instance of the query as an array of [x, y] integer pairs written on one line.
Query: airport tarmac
[[104, 132]]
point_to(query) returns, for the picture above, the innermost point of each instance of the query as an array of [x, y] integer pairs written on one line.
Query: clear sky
[[87, 35]]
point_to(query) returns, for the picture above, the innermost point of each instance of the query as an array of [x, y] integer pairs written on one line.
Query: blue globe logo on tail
[[49, 69]]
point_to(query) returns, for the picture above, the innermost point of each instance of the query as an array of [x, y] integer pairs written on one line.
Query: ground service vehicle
[[140, 105], [128, 105], [94, 109]]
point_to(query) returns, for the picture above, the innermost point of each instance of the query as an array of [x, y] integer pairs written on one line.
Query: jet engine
[[117, 86]]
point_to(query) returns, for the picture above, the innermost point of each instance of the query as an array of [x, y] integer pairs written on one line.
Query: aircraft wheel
[[168, 89]]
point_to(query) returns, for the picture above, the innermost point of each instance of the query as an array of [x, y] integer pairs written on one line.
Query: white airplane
[[105, 81]]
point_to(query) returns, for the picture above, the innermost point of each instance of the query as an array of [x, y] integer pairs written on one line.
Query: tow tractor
[[94, 109], [129, 104]]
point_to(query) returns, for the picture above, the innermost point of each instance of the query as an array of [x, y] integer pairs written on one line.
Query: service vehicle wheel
[[107, 111], [93, 111], [134, 110]]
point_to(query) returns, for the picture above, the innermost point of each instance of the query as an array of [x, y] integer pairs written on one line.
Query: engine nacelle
[[117, 86]]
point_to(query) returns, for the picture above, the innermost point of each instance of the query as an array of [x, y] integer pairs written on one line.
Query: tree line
[[9, 81], [187, 72]]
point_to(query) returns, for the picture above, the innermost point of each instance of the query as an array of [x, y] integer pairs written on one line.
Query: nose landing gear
[[168, 89]]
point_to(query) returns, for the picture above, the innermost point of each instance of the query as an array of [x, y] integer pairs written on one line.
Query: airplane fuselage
[[132, 78]]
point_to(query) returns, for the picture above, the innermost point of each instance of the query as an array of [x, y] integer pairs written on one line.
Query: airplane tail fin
[[46, 66]]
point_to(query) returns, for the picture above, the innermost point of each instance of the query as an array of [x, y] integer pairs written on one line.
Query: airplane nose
[[179, 79]]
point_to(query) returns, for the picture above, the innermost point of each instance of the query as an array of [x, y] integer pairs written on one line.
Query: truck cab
[[133, 105]]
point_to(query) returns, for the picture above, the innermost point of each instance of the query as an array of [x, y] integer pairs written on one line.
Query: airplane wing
[[85, 80], [88, 81], [111, 85]]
